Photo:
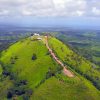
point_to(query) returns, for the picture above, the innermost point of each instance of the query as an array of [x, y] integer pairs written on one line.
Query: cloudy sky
[[87, 10]]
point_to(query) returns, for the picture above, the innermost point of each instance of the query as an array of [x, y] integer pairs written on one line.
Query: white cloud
[[96, 11], [4, 12], [59, 3], [49, 7], [26, 12], [80, 13]]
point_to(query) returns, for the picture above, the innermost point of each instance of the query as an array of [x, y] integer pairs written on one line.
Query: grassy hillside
[[18, 59], [0, 69], [72, 89], [29, 72], [76, 62]]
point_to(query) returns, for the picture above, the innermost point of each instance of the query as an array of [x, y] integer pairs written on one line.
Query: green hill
[[29, 72], [76, 62]]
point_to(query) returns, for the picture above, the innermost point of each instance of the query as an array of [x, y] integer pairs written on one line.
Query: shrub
[[13, 76], [25, 97], [50, 73], [29, 92], [10, 93], [34, 57], [16, 57], [6, 73], [20, 91], [21, 82], [48, 53]]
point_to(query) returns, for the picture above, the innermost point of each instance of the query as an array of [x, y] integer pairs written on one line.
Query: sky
[[50, 12]]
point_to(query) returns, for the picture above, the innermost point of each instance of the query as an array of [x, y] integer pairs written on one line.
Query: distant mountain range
[[9, 28]]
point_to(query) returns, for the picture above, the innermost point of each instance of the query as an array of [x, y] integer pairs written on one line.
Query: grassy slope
[[65, 54], [75, 61], [55, 88], [4, 86], [25, 68], [0, 69]]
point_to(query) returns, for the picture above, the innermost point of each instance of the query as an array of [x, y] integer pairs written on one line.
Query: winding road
[[65, 70]]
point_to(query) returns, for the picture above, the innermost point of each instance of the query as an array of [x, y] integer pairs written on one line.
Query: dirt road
[[65, 70]]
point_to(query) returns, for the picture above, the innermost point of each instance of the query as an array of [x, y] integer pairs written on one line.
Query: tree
[[34, 57], [9, 94]]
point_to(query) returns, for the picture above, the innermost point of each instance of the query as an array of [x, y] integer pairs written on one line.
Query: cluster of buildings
[[36, 34]]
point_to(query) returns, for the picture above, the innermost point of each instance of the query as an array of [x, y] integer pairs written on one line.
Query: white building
[[36, 34]]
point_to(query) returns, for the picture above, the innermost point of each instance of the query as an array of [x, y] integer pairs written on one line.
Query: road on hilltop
[[65, 70]]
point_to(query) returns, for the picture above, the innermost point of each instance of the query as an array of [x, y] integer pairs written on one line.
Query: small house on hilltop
[[36, 34]]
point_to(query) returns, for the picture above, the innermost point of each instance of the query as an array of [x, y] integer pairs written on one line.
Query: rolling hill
[[28, 72], [76, 62]]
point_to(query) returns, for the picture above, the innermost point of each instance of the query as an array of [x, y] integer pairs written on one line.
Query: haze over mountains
[[78, 23]]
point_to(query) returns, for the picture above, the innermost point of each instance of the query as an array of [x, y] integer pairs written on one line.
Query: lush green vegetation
[[18, 63], [76, 62], [0, 69], [29, 72], [5, 84], [8, 38], [85, 43], [72, 89]]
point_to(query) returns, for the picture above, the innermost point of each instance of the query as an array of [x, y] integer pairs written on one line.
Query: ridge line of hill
[[65, 70]]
